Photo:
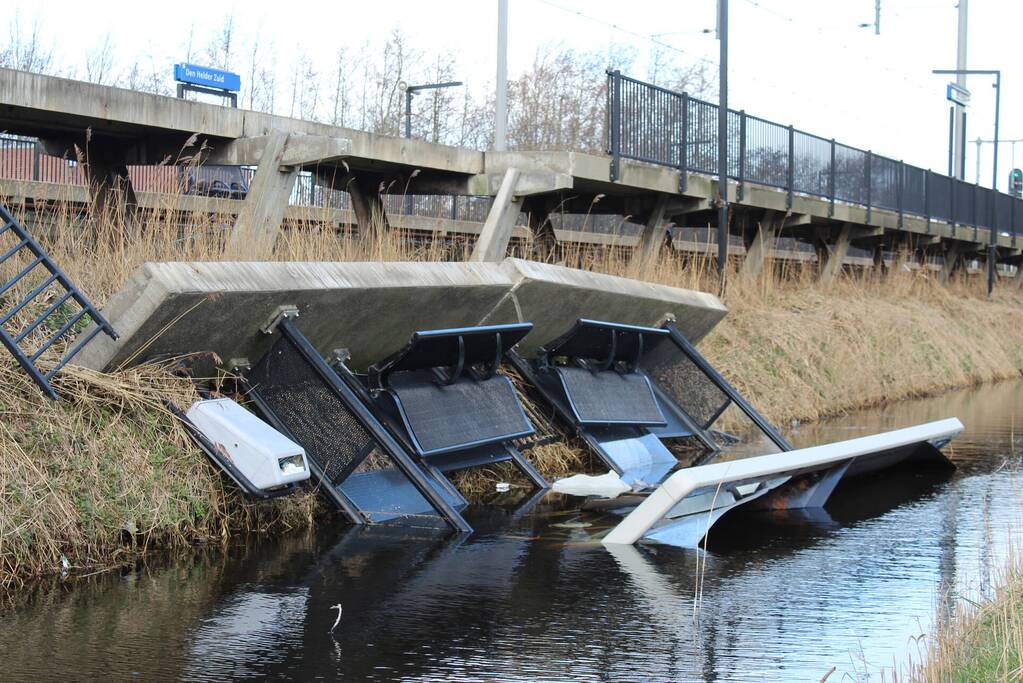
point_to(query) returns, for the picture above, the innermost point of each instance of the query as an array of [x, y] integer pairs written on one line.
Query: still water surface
[[530, 596]]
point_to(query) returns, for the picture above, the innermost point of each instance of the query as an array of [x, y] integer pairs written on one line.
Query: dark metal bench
[[359, 464], [626, 388], [381, 444], [444, 397]]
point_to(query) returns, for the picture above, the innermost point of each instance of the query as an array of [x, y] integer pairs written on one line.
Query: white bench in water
[[682, 509]]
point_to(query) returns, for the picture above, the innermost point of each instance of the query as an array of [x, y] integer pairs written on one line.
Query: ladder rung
[[24, 271], [13, 250], [71, 354], [7, 226], [42, 316], [31, 295], [58, 334]]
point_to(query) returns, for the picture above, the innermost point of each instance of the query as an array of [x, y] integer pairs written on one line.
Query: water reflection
[[532, 596]]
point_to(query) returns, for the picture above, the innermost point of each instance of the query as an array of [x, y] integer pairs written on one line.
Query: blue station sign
[[207, 77]]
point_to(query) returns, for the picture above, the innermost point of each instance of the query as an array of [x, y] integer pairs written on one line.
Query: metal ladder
[[24, 242]]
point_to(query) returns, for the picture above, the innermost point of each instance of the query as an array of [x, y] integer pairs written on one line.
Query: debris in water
[[572, 525], [65, 566], [608, 485], [338, 620]]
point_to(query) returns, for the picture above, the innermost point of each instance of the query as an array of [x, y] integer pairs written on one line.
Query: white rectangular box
[[265, 456]]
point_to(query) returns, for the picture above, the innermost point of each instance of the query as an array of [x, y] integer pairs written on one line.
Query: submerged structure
[[390, 376]]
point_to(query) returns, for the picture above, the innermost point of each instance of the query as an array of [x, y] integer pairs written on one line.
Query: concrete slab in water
[[371, 308]]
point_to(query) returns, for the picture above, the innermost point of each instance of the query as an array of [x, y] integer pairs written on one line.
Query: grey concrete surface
[[553, 297], [497, 230], [217, 310]]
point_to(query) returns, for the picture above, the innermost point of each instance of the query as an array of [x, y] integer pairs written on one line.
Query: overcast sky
[[803, 62]]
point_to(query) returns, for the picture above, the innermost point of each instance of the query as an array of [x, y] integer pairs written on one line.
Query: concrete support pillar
[[545, 241], [951, 262], [497, 230], [110, 187], [259, 220], [651, 239], [836, 255], [370, 214], [880, 267], [759, 247]]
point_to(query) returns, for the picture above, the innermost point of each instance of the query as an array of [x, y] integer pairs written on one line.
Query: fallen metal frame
[[374, 390], [71, 293], [380, 437], [811, 473], [539, 374]]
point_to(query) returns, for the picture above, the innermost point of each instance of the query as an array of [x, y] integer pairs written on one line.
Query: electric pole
[[959, 147], [501, 115], [722, 141]]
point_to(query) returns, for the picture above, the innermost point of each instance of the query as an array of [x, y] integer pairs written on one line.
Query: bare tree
[[26, 50], [220, 49], [99, 62]]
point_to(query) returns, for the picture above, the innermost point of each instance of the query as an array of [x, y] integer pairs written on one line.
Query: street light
[[992, 248], [410, 91]]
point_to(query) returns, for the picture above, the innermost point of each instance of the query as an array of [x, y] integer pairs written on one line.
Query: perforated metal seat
[[445, 397], [626, 387]]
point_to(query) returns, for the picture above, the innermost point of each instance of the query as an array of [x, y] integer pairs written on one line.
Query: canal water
[[532, 597]]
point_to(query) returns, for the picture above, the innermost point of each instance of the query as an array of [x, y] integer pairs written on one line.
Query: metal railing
[[660, 126]]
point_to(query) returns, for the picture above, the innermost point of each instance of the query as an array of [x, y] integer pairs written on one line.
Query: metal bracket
[[341, 355], [239, 366], [287, 311]]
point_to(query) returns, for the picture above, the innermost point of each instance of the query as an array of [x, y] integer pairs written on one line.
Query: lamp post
[[410, 91], [992, 256], [722, 141]]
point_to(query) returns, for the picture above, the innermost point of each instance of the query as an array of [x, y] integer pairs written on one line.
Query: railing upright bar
[[684, 146], [869, 182], [614, 85], [900, 188], [792, 162], [976, 189], [742, 156], [927, 199], [831, 181]]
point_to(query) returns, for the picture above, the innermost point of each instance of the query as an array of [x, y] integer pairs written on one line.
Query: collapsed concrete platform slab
[[370, 308], [554, 297]]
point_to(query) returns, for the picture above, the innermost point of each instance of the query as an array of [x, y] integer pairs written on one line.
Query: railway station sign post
[[203, 79]]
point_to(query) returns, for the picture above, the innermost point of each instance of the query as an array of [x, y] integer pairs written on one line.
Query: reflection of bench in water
[[381, 444]]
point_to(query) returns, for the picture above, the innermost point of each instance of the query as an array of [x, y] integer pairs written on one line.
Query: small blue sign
[[205, 76]]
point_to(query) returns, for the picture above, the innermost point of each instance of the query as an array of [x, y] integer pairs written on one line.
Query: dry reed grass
[[109, 457]]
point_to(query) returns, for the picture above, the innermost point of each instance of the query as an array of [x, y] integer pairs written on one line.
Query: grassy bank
[[107, 473], [979, 641]]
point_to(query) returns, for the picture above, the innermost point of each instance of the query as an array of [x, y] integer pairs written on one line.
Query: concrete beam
[[682, 206], [529, 183], [259, 220], [836, 255], [860, 232], [311, 150], [758, 249], [651, 239], [493, 242], [794, 220]]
